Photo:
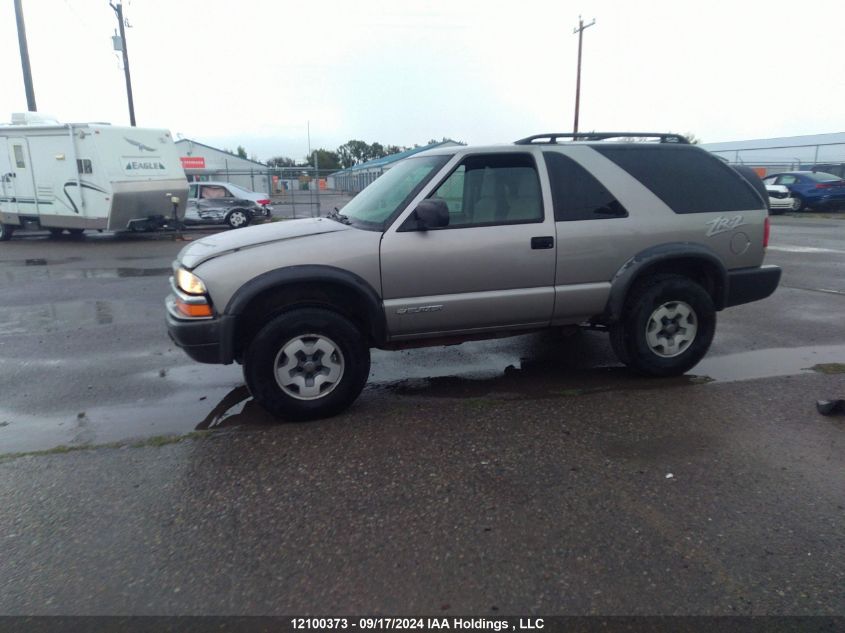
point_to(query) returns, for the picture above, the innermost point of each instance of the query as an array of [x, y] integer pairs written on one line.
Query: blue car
[[810, 189]]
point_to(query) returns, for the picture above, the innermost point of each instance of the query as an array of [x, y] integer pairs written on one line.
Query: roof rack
[[665, 137]]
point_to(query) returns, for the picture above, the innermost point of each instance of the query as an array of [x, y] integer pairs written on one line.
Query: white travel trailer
[[79, 176]]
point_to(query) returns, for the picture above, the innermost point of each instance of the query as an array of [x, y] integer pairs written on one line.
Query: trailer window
[[19, 161], [83, 166]]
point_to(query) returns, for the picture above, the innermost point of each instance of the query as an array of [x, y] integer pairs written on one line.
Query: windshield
[[371, 208]]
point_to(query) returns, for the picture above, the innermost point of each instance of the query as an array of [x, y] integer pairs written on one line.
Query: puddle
[[39, 272], [65, 315], [767, 363], [212, 397], [221, 401]]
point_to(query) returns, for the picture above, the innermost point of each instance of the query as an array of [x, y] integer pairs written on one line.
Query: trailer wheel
[[76, 232], [6, 231], [56, 232]]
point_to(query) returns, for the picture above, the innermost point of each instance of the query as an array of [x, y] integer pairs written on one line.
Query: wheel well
[[704, 273], [273, 301]]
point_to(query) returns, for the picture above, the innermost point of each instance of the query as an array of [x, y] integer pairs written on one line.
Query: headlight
[[189, 282]]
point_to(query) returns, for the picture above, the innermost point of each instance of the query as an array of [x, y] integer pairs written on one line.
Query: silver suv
[[647, 240]]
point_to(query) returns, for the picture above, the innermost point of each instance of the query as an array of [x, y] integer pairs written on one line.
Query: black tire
[[6, 231], [76, 232], [237, 218], [56, 232], [678, 295], [300, 327]]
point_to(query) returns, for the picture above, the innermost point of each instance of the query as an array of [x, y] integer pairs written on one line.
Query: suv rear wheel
[[307, 363], [666, 328]]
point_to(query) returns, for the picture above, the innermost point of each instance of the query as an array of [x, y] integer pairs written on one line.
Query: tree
[[281, 161], [353, 152], [325, 159], [241, 151]]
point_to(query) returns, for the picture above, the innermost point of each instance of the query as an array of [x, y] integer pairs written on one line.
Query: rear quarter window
[[687, 178]]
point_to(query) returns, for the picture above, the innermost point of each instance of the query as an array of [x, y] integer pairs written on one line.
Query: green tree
[[325, 159], [241, 151], [353, 152], [281, 161]]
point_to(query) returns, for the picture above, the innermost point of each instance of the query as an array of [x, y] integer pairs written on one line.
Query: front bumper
[[751, 284], [781, 203], [204, 340]]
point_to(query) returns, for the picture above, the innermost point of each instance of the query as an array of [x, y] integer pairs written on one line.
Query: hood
[[229, 241]]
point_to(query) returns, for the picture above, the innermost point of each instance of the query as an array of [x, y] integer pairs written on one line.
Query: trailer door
[[21, 178], [7, 179]]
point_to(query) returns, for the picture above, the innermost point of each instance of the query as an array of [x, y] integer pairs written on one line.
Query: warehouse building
[[355, 178], [788, 153], [203, 162]]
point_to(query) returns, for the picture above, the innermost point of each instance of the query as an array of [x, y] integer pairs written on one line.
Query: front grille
[[778, 194]]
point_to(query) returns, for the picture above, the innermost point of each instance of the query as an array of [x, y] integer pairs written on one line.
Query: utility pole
[[118, 9], [580, 32], [27, 71]]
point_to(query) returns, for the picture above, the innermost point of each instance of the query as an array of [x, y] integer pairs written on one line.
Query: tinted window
[[686, 178], [19, 161], [787, 180], [576, 193], [492, 189], [822, 177], [83, 166]]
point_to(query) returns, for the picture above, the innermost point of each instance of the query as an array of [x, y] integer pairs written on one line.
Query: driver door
[[491, 268]]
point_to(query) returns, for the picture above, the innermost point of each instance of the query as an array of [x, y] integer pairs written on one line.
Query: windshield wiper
[[337, 216]]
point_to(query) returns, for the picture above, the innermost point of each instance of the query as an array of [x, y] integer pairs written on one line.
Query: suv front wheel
[[307, 363], [666, 328]]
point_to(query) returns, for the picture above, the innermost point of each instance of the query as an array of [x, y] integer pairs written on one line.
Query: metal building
[[203, 162], [355, 178], [786, 153]]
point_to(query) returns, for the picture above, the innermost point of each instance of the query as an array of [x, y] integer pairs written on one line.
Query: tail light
[[767, 229], [264, 202]]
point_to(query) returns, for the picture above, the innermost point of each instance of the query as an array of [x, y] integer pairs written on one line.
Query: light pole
[[118, 9], [27, 71], [580, 32]]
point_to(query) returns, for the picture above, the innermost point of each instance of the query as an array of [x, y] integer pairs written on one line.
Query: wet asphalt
[[524, 475]]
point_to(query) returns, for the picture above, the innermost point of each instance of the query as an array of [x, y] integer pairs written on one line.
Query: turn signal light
[[193, 309]]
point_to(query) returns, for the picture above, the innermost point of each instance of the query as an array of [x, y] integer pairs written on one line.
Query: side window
[[787, 180], [213, 191], [769, 181], [192, 191], [19, 161], [83, 166], [577, 194], [685, 177], [492, 189]]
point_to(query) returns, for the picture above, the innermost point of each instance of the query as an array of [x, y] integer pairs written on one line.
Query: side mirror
[[432, 214]]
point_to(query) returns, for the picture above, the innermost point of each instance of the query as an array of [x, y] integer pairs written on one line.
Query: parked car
[[780, 199], [224, 203], [646, 241], [810, 190]]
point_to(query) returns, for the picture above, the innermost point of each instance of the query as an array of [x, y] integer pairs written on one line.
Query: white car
[[218, 202], [780, 199]]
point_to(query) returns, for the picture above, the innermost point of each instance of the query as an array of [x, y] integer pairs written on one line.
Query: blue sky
[[254, 72]]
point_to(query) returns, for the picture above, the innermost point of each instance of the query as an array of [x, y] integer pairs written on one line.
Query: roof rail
[[665, 137]]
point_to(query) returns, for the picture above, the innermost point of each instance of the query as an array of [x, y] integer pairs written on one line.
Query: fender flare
[[640, 263], [311, 274]]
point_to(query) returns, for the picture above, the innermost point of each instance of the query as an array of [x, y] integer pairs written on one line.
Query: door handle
[[545, 241]]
